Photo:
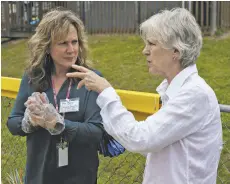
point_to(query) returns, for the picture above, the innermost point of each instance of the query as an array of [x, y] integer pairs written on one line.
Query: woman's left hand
[[90, 79]]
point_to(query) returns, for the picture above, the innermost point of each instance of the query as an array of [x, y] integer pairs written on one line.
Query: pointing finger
[[76, 74], [80, 68]]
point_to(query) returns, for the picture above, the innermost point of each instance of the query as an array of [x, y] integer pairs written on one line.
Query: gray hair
[[175, 29]]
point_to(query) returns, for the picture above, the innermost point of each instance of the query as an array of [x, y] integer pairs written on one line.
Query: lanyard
[[55, 94]]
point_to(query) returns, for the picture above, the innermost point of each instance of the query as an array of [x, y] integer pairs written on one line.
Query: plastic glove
[[26, 125], [43, 114], [54, 122], [37, 120], [50, 116], [37, 98], [35, 108]]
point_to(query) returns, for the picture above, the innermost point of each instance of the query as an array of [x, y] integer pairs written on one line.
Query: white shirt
[[183, 140]]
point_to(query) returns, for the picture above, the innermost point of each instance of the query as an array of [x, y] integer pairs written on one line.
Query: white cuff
[[107, 95]]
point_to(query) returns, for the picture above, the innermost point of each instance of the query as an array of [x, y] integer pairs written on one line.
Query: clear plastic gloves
[[26, 125], [39, 112]]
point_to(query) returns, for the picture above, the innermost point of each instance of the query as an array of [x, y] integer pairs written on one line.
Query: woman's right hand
[[36, 120], [37, 98], [36, 108]]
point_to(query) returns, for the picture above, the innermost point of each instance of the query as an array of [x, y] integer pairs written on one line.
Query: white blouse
[[182, 141]]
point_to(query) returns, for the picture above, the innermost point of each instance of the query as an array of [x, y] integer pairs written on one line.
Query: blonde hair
[[53, 27]]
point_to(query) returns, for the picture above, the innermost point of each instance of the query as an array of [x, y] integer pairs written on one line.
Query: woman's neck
[[173, 72], [60, 72]]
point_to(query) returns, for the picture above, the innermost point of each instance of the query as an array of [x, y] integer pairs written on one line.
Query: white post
[[183, 4], [190, 6], [137, 15], [213, 17]]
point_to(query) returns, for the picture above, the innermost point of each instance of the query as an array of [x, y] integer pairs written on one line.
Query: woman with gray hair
[[183, 140], [63, 125]]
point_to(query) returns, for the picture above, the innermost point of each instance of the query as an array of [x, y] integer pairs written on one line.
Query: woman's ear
[[176, 51], [175, 54]]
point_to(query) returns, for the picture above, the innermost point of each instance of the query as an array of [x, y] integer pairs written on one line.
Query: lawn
[[119, 59]]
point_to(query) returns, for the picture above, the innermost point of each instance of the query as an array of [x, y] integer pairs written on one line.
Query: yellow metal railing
[[139, 103], [112, 170]]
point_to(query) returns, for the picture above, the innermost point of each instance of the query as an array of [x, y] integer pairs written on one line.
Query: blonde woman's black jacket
[[83, 131]]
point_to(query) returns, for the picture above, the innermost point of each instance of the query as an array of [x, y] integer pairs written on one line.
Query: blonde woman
[[62, 124]]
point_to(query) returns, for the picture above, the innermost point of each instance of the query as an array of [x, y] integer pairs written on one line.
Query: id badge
[[69, 105], [62, 154]]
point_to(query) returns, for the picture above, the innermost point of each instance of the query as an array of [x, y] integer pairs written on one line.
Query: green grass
[[120, 60]]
